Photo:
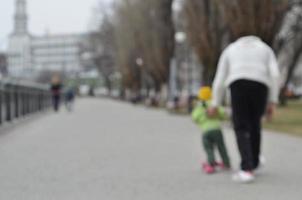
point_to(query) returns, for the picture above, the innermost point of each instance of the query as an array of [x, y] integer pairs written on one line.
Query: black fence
[[19, 99]]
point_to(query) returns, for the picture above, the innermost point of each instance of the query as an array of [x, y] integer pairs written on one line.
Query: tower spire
[[20, 17]]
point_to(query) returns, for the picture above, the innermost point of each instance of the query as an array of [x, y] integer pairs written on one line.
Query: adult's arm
[[219, 81], [274, 73]]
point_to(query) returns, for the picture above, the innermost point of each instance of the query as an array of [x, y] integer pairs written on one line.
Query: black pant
[[56, 102], [249, 99], [211, 140]]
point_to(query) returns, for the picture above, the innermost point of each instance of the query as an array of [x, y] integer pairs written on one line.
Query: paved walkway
[[113, 151]]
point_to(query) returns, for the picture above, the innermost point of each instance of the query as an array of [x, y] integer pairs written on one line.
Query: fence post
[[8, 102], [1, 103], [17, 107], [23, 101], [28, 100], [40, 99]]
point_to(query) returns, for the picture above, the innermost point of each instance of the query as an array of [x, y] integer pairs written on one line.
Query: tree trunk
[[291, 68]]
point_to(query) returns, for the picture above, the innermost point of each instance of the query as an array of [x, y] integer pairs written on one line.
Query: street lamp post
[[140, 63], [181, 39]]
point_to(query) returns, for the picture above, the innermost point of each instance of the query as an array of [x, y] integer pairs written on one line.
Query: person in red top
[[56, 87]]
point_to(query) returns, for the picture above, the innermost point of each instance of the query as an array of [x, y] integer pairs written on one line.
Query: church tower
[[20, 27], [19, 46]]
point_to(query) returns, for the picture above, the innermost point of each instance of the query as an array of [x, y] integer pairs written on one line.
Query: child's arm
[[221, 113], [198, 115]]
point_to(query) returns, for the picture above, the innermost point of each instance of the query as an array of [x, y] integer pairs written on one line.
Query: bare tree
[[290, 45], [103, 49], [126, 47], [212, 24], [262, 18], [206, 30], [145, 31]]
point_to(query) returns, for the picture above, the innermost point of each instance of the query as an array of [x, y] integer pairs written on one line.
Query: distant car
[[298, 91], [293, 93], [100, 91], [84, 90]]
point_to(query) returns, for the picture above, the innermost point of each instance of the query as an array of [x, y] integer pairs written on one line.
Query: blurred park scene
[[155, 54]]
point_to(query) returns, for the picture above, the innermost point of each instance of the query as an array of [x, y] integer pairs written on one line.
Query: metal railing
[[19, 99]]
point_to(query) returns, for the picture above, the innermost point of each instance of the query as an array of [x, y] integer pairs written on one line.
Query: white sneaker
[[259, 169], [262, 161], [243, 177]]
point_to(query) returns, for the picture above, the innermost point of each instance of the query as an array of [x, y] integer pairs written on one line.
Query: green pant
[[212, 139]]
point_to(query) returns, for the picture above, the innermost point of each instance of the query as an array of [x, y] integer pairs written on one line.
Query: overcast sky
[[54, 16]]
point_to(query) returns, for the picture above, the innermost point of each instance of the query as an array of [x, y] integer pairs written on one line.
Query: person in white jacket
[[249, 68]]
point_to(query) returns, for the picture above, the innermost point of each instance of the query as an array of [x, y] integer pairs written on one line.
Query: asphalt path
[[108, 150]]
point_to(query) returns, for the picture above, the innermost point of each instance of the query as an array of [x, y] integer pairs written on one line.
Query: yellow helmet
[[205, 93]]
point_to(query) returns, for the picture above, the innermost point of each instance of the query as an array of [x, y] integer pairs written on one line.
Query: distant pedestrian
[[249, 68], [212, 136], [56, 87], [69, 98]]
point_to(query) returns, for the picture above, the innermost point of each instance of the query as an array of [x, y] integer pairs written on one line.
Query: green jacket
[[200, 117]]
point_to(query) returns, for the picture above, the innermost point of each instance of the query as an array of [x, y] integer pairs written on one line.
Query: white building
[[28, 54], [58, 52]]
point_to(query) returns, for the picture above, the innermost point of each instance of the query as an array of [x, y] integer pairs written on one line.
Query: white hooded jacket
[[248, 58]]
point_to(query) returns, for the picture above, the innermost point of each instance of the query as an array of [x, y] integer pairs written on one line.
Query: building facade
[[3, 64], [29, 55], [57, 52]]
